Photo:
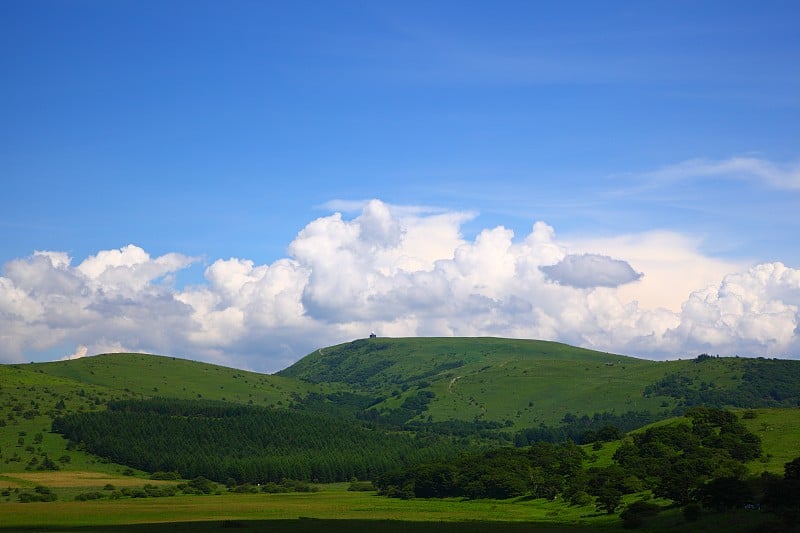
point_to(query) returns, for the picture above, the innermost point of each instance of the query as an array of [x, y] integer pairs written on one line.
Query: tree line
[[700, 460]]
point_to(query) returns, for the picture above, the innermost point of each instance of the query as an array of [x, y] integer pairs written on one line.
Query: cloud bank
[[399, 272]]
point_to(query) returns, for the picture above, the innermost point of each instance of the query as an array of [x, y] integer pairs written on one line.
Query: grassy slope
[[523, 381], [151, 375], [333, 509], [88, 384], [332, 502], [779, 430], [28, 401]]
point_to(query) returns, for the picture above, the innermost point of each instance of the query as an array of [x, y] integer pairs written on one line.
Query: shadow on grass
[[313, 525]]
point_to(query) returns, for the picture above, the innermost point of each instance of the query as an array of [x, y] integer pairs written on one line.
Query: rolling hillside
[[32, 395], [171, 377], [362, 409], [484, 386], [524, 383], [521, 381]]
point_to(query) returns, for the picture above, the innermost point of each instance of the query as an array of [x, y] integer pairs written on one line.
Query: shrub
[[272, 488], [198, 485], [84, 496], [634, 515], [245, 488], [40, 494], [154, 491], [298, 486], [581, 498], [169, 476]]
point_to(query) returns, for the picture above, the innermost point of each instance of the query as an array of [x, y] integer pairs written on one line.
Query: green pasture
[[28, 402], [333, 508], [779, 430], [529, 389], [529, 392], [333, 502]]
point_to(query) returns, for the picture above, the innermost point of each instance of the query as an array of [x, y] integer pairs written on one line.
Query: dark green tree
[[725, 493]]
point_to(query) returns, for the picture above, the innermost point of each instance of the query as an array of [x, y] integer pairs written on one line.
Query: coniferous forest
[[246, 444]]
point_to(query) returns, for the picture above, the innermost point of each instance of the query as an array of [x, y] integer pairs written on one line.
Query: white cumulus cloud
[[404, 272], [80, 351]]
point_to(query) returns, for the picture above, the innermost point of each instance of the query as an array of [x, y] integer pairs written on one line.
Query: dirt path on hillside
[[453, 382]]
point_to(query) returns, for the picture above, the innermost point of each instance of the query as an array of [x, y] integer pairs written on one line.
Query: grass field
[[333, 508], [779, 430], [333, 502], [74, 479]]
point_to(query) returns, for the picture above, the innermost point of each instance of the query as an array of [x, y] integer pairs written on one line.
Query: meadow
[[332, 508]]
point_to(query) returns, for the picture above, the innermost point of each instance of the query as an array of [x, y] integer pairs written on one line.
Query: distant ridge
[[146, 375]]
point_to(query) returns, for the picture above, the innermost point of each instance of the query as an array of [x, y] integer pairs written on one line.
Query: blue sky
[[214, 131]]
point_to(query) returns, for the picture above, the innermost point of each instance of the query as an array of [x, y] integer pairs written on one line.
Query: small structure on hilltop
[[372, 335]]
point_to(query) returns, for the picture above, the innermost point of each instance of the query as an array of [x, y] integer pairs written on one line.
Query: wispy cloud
[[779, 176], [357, 206]]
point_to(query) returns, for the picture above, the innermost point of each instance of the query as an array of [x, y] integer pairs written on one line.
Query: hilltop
[[524, 383]]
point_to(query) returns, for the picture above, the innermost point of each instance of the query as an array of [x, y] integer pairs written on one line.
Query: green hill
[[512, 390], [32, 395], [515, 382], [171, 377], [407, 399], [525, 383]]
